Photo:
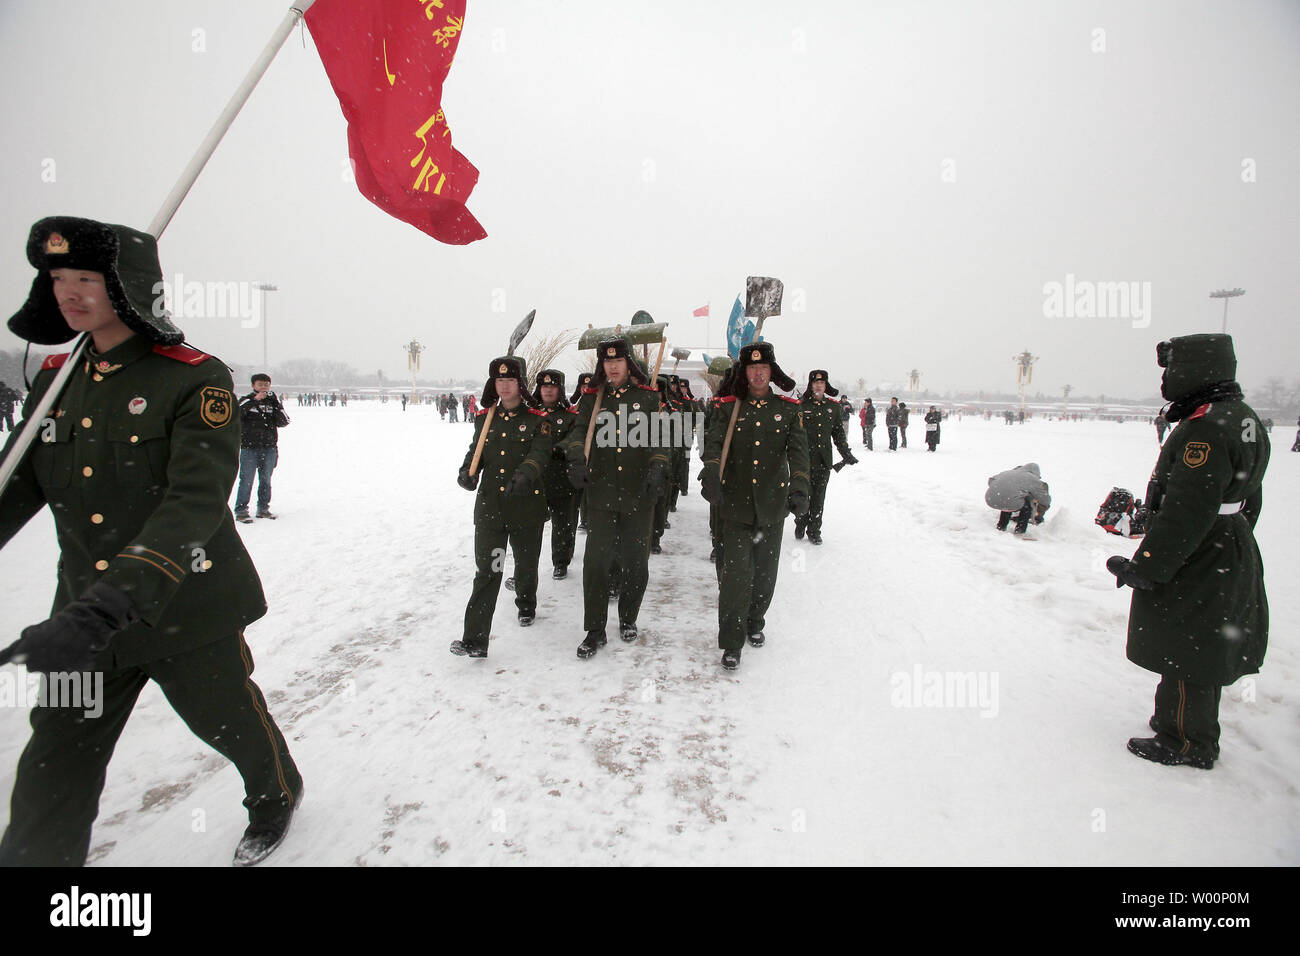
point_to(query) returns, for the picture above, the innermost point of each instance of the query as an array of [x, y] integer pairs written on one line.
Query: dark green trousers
[[820, 478], [1187, 717], [564, 528], [621, 538], [747, 565], [62, 770], [660, 515], [490, 543]]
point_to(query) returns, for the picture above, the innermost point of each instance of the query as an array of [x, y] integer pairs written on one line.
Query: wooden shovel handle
[[591, 425], [482, 437], [726, 441]]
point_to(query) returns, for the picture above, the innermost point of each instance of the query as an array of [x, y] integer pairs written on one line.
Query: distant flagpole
[[227, 117]]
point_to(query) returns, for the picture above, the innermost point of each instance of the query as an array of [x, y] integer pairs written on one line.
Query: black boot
[[798, 528], [261, 839], [526, 618], [654, 546], [731, 658], [560, 573], [510, 583], [461, 649], [1004, 519], [1150, 748], [815, 537], [593, 642], [627, 632], [757, 639]]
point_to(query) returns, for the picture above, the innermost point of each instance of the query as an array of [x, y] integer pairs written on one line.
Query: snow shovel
[[516, 337]]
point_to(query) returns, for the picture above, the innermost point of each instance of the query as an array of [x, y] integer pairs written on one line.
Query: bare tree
[[543, 351]]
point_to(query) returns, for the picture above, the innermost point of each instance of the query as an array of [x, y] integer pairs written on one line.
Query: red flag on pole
[[387, 63], [702, 311]]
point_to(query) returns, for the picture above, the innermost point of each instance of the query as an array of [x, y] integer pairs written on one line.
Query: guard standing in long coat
[[764, 476], [561, 497], [510, 508], [1199, 615]]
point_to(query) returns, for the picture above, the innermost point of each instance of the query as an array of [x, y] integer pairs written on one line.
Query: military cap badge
[[56, 244], [755, 355], [504, 369], [611, 351]]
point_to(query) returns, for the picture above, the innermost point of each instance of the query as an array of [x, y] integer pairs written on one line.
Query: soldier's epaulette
[[483, 411], [1200, 412], [54, 361], [832, 398], [787, 398], [588, 390], [537, 411], [724, 399], [648, 388], [182, 353]]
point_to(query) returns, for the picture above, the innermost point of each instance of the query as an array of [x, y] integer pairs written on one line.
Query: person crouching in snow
[[1020, 490]]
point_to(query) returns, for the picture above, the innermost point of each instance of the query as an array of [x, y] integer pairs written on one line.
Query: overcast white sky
[[914, 172]]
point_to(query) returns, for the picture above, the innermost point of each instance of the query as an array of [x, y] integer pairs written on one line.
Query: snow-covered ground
[[652, 754]]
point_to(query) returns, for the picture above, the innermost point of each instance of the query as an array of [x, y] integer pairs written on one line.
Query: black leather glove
[[798, 502], [711, 487], [577, 472], [1122, 568], [655, 480], [520, 485], [850, 459], [466, 480], [69, 641]]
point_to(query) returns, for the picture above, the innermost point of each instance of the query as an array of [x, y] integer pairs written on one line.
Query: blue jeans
[[259, 461]]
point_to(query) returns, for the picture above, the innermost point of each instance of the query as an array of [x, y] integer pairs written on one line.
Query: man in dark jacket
[[561, 497], [261, 415], [903, 413], [1199, 615], [891, 423], [8, 399], [932, 420], [824, 426], [135, 462]]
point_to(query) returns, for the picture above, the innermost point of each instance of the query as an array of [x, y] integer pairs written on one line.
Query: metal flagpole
[[160, 221]]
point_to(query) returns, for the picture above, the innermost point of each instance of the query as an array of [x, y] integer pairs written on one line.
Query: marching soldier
[[136, 462], [755, 469], [824, 424], [512, 444], [1199, 616], [715, 517], [561, 497], [621, 476]]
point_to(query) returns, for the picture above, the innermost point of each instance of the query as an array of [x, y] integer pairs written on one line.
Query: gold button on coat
[[86, 423], [88, 471], [134, 439], [96, 519], [101, 565]]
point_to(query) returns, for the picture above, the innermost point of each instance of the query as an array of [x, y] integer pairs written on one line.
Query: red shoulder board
[[724, 400], [182, 353], [55, 361], [536, 411], [649, 388], [1200, 412], [787, 398], [482, 411], [832, 398], [588, 390]]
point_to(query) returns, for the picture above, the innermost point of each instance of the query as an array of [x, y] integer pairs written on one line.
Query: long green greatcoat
[[823, 420], [1207, 622], [767, 460], [136, 463], [518, 440], [555, 478]]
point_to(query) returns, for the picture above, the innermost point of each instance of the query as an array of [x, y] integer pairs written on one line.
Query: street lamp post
[[1225, 295], [264, 288]]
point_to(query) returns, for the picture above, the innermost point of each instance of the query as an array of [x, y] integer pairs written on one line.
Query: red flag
[[702, 311], [387, 62]]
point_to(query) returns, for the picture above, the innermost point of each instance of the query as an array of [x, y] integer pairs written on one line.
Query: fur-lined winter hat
[[583, 381], [128, 260], [506, 366], [757, 353], [684, 386], [1192, 362], [613, 349], [820, 375], [548, 376]]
